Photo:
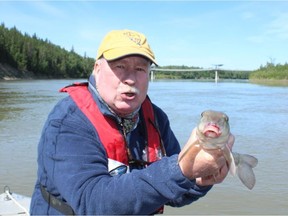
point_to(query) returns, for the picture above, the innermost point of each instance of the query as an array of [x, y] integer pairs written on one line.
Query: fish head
[[213, 127]]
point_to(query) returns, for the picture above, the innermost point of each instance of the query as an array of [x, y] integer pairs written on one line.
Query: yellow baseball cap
[[120, 43]]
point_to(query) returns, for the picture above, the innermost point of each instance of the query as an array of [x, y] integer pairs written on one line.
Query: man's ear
[[96, 67]]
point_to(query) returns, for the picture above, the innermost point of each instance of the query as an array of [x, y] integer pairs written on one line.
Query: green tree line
[[41, 57], [271, 72]]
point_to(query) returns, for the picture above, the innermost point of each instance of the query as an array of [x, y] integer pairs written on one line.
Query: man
[[106, 149]]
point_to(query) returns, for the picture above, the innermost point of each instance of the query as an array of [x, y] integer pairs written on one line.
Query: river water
[[258, 119]]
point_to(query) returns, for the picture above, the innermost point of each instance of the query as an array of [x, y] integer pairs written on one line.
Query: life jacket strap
[[56, 203]]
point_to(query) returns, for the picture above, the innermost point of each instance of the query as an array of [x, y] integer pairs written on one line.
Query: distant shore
[[9, 73]]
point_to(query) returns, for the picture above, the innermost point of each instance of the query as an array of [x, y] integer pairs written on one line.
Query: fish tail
[[245, 171]]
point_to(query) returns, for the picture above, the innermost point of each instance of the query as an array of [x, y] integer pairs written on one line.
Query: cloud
[[47, 8], [278, 27], [247, 15], [256, 39]]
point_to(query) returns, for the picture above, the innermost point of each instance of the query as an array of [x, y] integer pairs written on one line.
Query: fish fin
[[187, 148], [232, 167], [245, 163], [249, 159], [230, 159]]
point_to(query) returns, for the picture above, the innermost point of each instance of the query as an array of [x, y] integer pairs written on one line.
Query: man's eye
[[141, 69], [120, 66]]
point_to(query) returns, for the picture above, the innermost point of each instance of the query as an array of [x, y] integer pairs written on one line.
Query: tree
[[41, 57]]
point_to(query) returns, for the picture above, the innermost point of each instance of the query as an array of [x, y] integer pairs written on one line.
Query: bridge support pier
[[216, 76], [151, 75]]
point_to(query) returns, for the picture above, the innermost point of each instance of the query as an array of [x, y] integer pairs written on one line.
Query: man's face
[[123, 83]]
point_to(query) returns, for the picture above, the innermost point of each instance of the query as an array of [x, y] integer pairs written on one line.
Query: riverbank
[[269, 82], [10, 73]]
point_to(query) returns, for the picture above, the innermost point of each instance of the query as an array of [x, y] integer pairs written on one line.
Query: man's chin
[[123, 111]]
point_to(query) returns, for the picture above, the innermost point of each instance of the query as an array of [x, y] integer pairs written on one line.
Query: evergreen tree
[[41, 57]]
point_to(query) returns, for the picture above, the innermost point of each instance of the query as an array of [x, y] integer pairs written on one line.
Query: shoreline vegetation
[[28, 57]]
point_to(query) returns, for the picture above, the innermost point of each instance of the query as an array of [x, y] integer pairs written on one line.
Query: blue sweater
[[72, 166]]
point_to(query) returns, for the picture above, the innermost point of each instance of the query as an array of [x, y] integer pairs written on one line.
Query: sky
[[241, 35]]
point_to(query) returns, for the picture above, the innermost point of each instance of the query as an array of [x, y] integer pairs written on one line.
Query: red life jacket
[[110, 136]]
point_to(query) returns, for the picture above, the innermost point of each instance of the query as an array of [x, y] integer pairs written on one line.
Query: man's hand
[[216, 178], [208, 167]]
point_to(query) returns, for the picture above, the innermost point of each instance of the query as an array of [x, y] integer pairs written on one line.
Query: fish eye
[[226, 118], [203, 113]]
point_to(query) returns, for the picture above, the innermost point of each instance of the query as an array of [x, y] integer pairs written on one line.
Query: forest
[[34, 57], [30, 54]]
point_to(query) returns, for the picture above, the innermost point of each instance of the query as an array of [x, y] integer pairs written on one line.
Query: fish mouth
[[212, 131]]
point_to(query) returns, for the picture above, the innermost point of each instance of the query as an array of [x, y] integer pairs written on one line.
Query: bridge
[[216, 69]]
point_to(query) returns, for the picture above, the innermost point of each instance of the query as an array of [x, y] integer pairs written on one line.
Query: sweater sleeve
[[74, 168]]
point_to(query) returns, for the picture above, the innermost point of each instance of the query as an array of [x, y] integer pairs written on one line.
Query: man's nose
[[129, 78]]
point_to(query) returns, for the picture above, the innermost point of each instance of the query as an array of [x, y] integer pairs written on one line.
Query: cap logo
[[133, 37]]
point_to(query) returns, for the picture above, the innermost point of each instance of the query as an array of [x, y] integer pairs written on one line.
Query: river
[[258, 119]]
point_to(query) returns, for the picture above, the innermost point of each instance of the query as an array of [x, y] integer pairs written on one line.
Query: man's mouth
[[129, 95]]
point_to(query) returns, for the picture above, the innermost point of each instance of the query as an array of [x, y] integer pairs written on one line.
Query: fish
[[213, 131]]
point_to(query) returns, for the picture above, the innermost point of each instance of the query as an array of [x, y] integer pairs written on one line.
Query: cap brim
[[119, 53]]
